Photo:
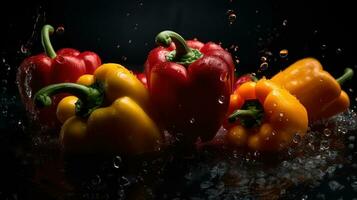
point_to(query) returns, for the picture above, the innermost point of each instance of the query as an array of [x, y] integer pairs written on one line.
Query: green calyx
[[186, 59], [89, 98], [46, 42], [183, 54], [251, 115]]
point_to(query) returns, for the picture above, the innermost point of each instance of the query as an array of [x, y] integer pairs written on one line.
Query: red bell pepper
[[189, 83], [142, 78], [35, 72]]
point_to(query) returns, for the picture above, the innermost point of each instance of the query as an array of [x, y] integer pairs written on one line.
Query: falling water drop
[[297, 138], [327, 132], [283, 53], [223, 77], [116, 162], [60, 30], [323, 46], [263, 66], [221, 99], [24, 49], [192, 120], [231, 16], [285, 22]]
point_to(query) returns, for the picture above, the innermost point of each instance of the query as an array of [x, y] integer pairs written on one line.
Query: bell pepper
[[235, 102], [189, 84], [315, 88], [269, 117], [110, 115], [50, 67]]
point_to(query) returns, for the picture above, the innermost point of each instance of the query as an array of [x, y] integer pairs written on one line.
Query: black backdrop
[[124, 31]]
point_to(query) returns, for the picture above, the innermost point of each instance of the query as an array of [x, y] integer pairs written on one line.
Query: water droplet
[[334, 185], [129, 41], [221, 99], [141, 4], [116, 162], [24, 49], [297, 138], [223, 77], [342, 130], [206, 184], [285, 22], [339, 51], [263, 59], [263, 66], [237, 61], [127, 14], [327, 132], [304, 197], [324, 145], [124, 58], [192, 120], [118, 46], [124, 181], [323, 46], [281, 114], [231, 16], [283, 53], [60, 30], [96, 180], [350, 90]]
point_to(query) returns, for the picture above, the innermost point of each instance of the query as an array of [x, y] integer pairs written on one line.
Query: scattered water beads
[[221, 99], [223, 77], [192, 120], [285, 22], [117, 162], [60, 30], [231, 16], [24, 49], [264, 66]]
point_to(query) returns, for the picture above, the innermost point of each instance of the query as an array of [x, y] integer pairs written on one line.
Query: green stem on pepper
[[89, 98], [46, 42], [183, 54], [348, 74], [250, 115]]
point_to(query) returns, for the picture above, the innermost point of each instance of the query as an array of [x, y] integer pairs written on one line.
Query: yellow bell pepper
[[269, 117], [108, 114], [315, 88]]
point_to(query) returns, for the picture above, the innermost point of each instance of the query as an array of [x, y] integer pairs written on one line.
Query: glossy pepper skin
[[235, 102], [271, 122], [109, 117], [48, 68], [189, 83], [315, 88]]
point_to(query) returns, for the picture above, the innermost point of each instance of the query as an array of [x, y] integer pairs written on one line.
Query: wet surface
[[322, 165]]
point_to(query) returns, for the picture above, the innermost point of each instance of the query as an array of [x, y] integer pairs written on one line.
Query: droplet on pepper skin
[[237, 136]]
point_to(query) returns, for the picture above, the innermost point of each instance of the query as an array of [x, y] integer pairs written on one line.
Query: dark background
[[124, 32]]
